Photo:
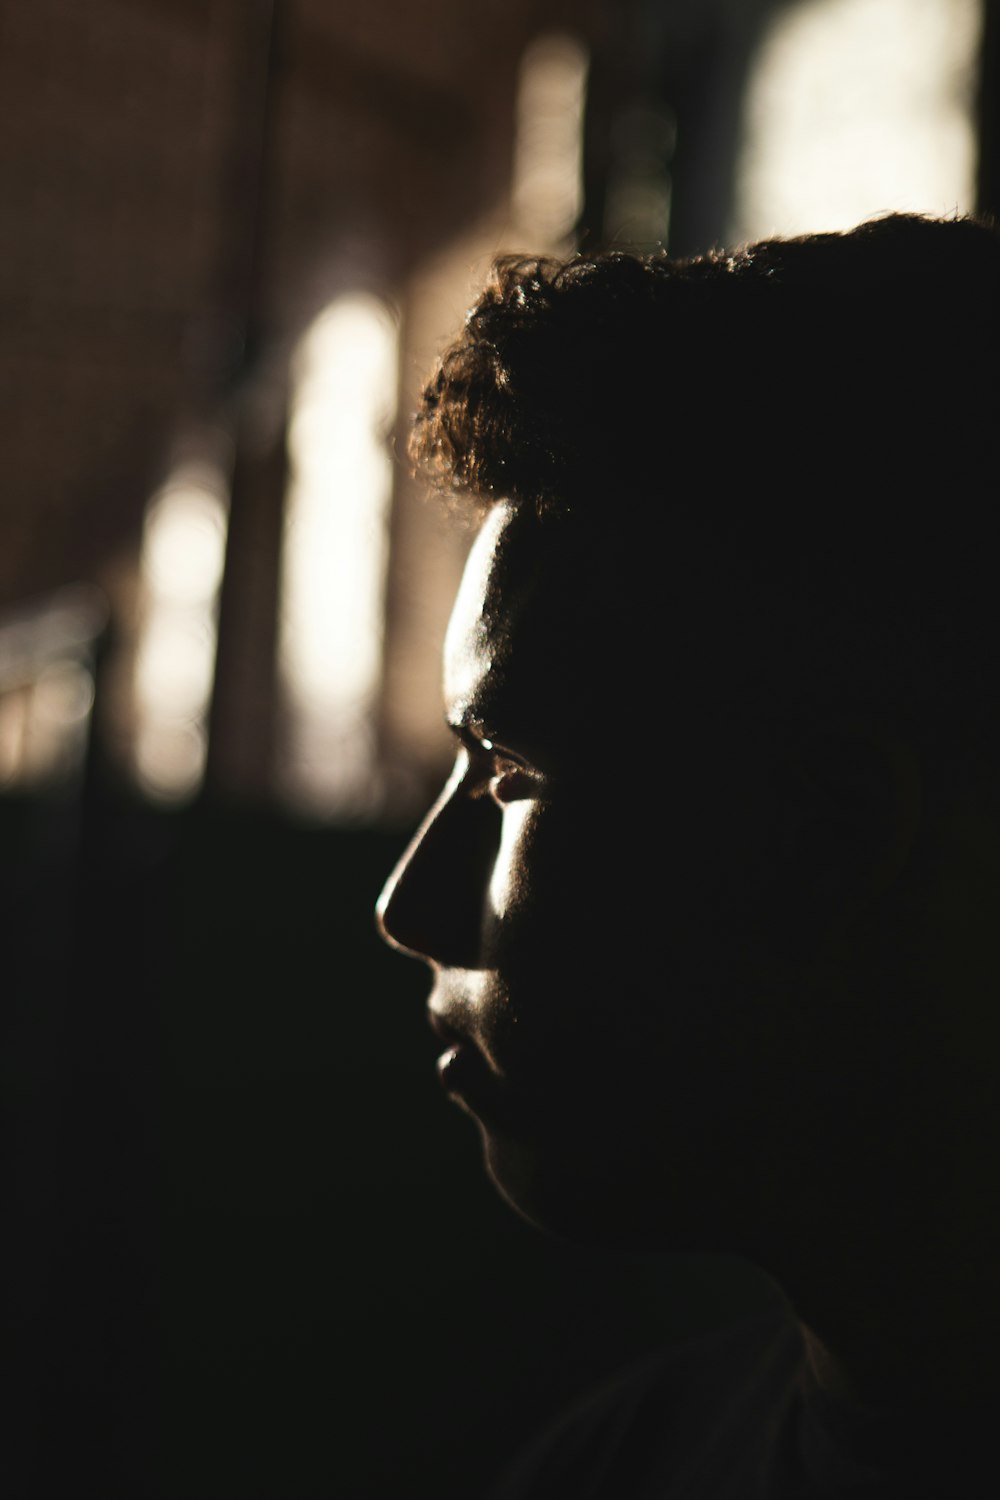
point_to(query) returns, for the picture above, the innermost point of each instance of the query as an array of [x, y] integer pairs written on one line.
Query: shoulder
[[654, 1418]]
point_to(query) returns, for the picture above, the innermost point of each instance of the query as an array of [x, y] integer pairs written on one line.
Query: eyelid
[[486, 761], [479, 745], [508, 757], [482, 769], [509, 760]]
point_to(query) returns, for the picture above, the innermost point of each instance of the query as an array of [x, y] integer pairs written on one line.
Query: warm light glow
[[343, 405], [47, 686], [547, 191], [183, 552], [185, 542], [859, 107]]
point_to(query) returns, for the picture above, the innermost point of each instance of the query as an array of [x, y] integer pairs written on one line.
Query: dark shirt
[[732, 1415]]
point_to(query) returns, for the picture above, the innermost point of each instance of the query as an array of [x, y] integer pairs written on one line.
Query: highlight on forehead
[[473, 636]]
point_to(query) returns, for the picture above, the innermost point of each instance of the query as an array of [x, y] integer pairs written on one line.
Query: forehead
[[561, 633], [541, 648]]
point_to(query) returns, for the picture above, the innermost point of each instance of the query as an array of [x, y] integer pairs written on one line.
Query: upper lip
[[444, 1032], [454, 1021]]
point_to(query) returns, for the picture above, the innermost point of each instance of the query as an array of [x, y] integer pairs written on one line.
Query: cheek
[[563, 887], [533, 895], [510, 886]]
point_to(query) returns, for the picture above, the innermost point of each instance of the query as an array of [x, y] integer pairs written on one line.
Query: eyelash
[[490, 782]]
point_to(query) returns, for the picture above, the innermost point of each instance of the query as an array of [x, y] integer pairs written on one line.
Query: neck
[[894, 1265]]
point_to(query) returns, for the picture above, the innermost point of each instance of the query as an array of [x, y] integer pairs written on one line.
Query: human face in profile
[[589, 892]]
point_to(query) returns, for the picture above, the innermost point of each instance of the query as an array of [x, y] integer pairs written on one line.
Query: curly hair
[[827, 402], [570, 375]]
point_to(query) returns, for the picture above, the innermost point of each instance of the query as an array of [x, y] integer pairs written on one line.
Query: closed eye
[[496, 776], [494, 771]]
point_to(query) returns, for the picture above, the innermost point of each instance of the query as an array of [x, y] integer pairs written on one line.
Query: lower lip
[[465, 1076]]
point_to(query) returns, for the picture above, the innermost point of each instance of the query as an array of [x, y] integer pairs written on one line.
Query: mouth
[[464, 1073]]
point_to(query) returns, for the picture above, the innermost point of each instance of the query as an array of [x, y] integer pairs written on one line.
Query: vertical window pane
[[330, 649], [859, 107], [547, 187], [183, 554]]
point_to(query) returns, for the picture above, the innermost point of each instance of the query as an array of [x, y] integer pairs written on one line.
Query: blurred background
[[248, 1246]]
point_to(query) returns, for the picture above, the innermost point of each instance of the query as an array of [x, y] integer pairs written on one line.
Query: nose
[[434, 902]]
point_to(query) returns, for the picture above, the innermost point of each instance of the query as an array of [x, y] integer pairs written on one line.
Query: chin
[[553, 1197], [522, 1182], [560, 1194]]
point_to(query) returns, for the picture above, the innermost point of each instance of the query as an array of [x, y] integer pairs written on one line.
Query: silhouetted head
[[709, 897]]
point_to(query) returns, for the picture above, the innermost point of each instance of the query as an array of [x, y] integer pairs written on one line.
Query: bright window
[[856, 108], [344, 378]]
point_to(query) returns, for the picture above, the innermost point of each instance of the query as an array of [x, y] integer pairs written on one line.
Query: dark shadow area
[[255, 1251]]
